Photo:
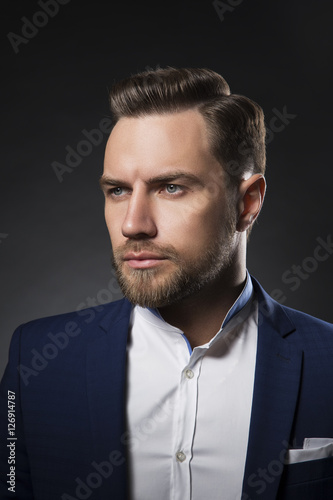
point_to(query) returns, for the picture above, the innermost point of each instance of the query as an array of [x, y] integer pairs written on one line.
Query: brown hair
[[235, 123]]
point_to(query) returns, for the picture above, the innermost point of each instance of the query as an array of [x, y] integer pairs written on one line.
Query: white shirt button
[[189, 373], [180, 456]]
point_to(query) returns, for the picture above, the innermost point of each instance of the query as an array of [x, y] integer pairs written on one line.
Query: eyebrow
[[105, 180]]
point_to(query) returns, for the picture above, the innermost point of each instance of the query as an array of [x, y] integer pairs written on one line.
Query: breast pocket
[[312, 480]]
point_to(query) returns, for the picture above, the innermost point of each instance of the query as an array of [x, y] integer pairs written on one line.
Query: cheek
[[204, 214], [113, 222], [190, 231]]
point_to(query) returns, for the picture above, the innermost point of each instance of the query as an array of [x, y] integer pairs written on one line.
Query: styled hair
[[235, 123]]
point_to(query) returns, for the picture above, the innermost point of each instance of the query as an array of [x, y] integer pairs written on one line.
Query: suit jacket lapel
[[106, 389], [276, 386]]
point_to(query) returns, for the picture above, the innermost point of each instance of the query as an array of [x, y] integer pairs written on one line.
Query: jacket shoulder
[[302, 318], [71, 322], [288, 320]]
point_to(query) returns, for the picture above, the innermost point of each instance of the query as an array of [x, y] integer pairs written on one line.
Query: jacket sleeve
[[15, 479]]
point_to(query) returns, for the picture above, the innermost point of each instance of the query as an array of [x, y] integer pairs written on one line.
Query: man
[[197, 385]]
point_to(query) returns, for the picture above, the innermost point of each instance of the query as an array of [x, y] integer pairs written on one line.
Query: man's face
[[169, 215]]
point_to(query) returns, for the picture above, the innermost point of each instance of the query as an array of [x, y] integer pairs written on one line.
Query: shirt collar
[[239, 303], [241, 300]]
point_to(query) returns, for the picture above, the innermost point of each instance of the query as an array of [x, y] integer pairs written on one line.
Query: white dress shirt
[[188, 412]]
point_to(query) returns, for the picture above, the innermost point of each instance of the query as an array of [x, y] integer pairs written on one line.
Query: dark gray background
[[57, 252]]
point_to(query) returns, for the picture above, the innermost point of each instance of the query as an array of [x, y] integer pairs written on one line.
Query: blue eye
[[172, 188], [117, 191]]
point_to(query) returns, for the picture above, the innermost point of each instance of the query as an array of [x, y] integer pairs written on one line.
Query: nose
[[139, 219]]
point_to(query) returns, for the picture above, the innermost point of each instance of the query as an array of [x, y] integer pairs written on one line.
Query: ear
[[251, 197]]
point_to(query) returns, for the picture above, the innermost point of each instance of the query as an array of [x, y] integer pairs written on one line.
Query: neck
[[200, 316]]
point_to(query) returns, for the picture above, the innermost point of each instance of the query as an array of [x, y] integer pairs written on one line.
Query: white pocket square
[[313, 449]]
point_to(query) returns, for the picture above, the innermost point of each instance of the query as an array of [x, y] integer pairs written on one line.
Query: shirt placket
[[184, 425]]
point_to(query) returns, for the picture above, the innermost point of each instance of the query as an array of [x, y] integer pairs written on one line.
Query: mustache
[[165, 251]]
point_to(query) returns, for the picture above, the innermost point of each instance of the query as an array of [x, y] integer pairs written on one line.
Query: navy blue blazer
[[68, 375]]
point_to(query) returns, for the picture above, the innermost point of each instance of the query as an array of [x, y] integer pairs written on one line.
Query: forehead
[[155, 142]]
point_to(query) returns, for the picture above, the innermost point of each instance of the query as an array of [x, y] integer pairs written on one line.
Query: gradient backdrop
[[54, 247]]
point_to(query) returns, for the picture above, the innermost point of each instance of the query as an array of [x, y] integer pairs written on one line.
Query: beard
[[158, 288]]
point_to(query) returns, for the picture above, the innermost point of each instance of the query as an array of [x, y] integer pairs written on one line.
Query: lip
[[143, 260], [142, 256]]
